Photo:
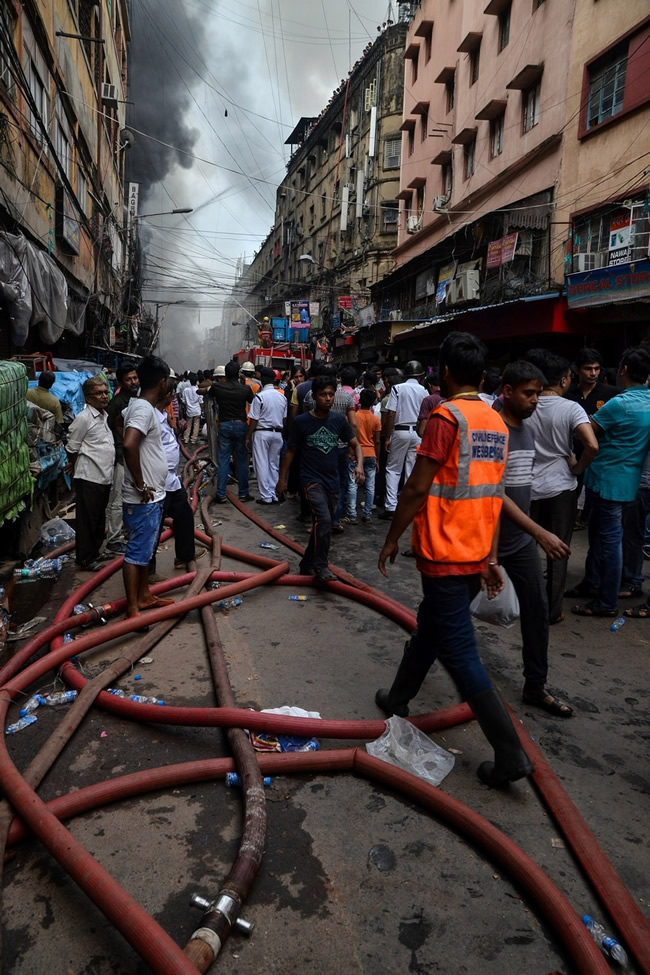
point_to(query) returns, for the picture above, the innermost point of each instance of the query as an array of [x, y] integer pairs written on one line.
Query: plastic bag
[[404, 745], [503, 610], [57, 531]]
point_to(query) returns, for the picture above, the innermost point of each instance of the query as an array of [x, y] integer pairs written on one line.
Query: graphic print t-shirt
[[318, 440]]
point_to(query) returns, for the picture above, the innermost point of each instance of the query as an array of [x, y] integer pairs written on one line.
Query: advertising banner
[[300, 316], [607, 285], [501, 251]]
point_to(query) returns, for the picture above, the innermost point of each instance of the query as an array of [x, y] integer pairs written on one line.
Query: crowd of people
[[489, 466]]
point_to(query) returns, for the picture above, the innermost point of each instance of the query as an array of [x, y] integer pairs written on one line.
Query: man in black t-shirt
[[588, 390], [316, 435], [232, 397]]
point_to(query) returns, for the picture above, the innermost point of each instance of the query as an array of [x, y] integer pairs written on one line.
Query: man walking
[[232, 398], [453, 496], [127, 378], [145, 475], [402, 411], [92, 454], [192, 401], [266, 420]]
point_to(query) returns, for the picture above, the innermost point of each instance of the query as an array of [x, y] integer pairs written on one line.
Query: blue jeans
[[232, 434], [604, 563], [634, 534], [445, 632], [370, 470]]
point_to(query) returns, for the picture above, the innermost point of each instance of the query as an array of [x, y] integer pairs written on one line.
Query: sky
[[216, 86]]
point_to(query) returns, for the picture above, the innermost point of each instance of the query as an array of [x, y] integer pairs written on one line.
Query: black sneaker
[[246, 497], [386, 515], [219, 500]]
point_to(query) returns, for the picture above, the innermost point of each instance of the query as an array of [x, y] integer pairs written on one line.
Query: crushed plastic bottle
[[617, 624], [292, 743], [227, 604], [39, 569], [34, 702], [298, 599], [116, 691], [143, 699], [610, 946], [59, 697], [274, 548], [11, 729], [233, 780], [68, 638]]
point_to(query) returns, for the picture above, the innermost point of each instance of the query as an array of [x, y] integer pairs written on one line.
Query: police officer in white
[[266, 420], [400, 429]]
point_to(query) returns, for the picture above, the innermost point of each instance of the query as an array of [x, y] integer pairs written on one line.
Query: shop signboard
[[609, 285], [501, 251]]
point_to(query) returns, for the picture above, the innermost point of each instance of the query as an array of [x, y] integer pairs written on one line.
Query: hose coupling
[[225, 905]]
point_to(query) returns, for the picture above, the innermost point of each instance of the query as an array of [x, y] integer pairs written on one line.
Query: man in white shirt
[[554, 495], [266, 420], [92, 455], [145, 476], [402, 441], [193, 402]]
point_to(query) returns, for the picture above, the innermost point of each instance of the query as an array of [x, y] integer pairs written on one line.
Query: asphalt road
[[355, 879]]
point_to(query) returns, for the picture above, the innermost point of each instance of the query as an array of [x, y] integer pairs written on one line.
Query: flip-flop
[[593, 609], [546, 702], [632, 593], [641, 612]]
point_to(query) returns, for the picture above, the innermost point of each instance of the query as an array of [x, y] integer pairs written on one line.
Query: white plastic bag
[[404, 745], [57, 531], [503, 610]]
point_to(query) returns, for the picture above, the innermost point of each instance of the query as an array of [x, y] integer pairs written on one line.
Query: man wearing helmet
[[402, 441]]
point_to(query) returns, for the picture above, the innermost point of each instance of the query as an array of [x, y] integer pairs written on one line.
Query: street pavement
[[355, 879]]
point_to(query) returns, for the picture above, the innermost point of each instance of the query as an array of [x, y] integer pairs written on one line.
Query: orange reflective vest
[[458, 520]]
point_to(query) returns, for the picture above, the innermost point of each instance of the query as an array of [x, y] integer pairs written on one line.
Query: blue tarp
[[67, 388]]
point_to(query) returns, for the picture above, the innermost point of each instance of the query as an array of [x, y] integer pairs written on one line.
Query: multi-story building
[[63, 67], [482, 140], [603, 195], [336, 210]]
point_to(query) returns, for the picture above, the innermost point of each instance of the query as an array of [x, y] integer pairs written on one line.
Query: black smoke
[[165, 37]]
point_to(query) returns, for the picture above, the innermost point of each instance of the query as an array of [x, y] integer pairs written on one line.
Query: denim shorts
[[143, 524]]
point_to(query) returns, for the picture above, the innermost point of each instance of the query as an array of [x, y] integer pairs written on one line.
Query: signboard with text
[[620, 237], [445, 274], [501, 251], [300, 316], [606, 285]]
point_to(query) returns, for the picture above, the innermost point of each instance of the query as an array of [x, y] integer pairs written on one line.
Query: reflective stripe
[[448, 491], [461, 490]]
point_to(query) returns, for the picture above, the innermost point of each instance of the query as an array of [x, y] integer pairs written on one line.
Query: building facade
[[336, 209], [63, 77]]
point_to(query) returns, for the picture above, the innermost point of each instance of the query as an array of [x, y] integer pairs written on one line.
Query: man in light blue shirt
[[622, 426]]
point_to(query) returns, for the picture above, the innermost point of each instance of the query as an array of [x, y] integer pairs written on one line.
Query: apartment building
[[63, 74], [336, 212]]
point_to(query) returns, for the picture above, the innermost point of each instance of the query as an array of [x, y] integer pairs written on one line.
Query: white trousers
[[267, 445], [401, 456]]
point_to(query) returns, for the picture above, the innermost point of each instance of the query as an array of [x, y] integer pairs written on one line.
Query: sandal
[[593, 609], [547, 702], [632, 592], [579, 592], [641, 612]]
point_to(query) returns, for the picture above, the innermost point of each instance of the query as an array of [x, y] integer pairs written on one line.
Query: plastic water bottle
[[610, 946], [233, 780], [617, 624], [142, 699], [59, 697], [34, 702], [298, 599], [26, 575], [227, 604], [11, 729], [68, 638], [274, 548], [116, 691]]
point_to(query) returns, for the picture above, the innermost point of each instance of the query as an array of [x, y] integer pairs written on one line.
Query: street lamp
[[165, 213], [311, 260]]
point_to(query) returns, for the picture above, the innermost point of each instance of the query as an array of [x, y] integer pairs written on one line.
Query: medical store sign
[[608, 285]]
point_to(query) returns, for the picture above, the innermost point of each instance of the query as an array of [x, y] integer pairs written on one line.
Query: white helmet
[[247, 367]]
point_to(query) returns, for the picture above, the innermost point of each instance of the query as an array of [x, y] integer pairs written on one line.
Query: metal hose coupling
[[220, 917]]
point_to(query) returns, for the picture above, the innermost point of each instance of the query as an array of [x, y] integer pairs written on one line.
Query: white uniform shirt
[[141, 415], [268, 408], [405, 400], [90, 437], [192, 401], [172, 452]]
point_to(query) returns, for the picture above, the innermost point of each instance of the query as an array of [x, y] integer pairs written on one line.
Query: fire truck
[[278, 346]]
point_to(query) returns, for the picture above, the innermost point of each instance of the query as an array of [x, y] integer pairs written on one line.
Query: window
[[496, 136], [7, 25], [447, 179], [474, 63], [419, 199], [62, 146], [450, 90], [392, 153], [82, 189], [389, 212], [607, 87], [469, 158], [414, 66], [323, 205], [411, 138], [537, 4], [504, 28], [40, 96], [531, 107], [424, 121]]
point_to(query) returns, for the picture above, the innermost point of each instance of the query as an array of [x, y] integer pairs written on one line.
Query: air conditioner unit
[[109, 95], [439, 202], [463, 288], [413, 224], [585, 262]]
